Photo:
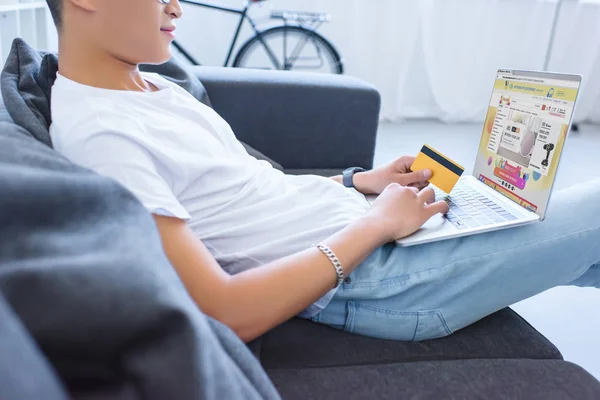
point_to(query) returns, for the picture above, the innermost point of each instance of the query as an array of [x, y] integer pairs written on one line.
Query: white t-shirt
[[181, 159]]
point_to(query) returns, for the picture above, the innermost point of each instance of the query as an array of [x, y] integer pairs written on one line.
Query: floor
[[567, 316]]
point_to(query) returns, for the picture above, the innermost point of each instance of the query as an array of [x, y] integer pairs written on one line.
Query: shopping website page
[[524, 134]]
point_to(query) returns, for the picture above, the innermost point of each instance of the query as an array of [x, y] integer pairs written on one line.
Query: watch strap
[[348, 176]]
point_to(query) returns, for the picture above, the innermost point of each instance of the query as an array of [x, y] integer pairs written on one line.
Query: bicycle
[[297, 31]]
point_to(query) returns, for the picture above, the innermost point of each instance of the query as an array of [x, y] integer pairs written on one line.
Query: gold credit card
[[444, 172]]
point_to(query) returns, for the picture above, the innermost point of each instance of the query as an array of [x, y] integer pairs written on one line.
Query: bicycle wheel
[[289, 48]]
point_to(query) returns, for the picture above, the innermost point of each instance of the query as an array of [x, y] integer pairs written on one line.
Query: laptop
[[524, 133]]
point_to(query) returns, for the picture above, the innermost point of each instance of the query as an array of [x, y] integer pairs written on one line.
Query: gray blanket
[[90, 307]]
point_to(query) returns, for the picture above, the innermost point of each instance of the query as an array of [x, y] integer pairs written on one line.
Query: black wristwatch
[[348, 176]]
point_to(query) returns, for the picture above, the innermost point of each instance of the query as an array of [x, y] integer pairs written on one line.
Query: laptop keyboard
[[470, 209]]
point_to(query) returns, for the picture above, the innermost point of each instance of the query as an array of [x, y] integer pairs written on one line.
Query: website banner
[[535, 89]]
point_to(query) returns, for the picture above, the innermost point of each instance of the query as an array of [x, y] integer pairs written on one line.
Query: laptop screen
[[523, 136]]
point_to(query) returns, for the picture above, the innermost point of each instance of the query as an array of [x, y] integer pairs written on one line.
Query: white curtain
[[433, 58]]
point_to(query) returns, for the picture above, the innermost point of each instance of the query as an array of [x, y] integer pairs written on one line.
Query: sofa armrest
[[301, 120]]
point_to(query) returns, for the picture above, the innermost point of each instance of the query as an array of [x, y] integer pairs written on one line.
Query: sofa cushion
[[29, 74], [321, 171], [4, 115], [462, 379], [89, 297], [25, 82], [302, 344]]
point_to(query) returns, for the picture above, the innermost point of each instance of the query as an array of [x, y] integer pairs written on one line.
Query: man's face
[[136, 31]]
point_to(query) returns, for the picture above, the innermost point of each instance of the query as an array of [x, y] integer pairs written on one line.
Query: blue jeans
[[430, 291]]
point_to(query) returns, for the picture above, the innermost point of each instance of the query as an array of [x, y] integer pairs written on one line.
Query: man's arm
[[254, 301]]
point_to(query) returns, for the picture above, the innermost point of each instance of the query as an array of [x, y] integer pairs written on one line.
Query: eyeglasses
[[165, 1]]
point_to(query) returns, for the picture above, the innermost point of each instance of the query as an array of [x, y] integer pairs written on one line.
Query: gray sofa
[[303, 122]]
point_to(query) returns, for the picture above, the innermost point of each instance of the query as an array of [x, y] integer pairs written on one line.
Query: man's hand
[[397, 171], [400, 211]]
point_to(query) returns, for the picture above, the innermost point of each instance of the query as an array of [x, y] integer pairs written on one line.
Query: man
[[240, 233]]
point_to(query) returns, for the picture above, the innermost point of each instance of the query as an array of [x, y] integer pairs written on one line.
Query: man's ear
[[87, 5]]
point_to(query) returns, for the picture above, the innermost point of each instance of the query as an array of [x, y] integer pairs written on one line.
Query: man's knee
[[591, 278]]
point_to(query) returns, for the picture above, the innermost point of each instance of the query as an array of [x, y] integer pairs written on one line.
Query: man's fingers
[[420, 185], [439, 207], [427, 195], [410, 178]]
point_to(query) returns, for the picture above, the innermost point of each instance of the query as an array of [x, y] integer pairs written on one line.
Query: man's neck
[[95, 67]]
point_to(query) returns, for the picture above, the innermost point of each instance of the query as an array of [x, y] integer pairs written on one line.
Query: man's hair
[[56, 11]]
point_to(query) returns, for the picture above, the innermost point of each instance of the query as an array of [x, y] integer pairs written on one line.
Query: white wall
[[428, 58], [433, 58]]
